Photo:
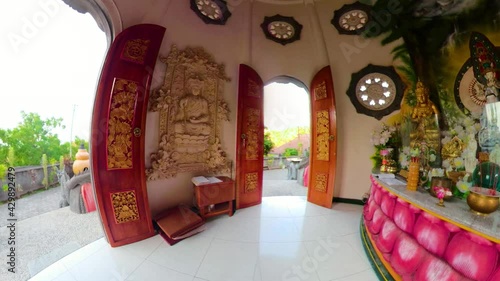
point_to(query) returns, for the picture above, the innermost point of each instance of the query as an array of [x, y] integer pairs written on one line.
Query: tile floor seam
[[72, 275], [203, 259], [309, 255], [257, 265], [97, 250], [71, 267], [171, 269], [137, 268], [67, 270]]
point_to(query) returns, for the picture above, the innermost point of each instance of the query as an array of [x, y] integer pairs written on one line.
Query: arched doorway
[[287, 143], [250, 135]]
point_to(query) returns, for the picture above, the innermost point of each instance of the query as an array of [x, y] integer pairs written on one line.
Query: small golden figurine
[[453, 148], [424, 107], [425, 115]]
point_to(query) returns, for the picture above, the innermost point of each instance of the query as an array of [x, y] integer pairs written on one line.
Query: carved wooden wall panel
[[191, 111], [322, 135], [320, 91], [252, 141], [321, 181], [124, 206], [120, 122], [135, 50], [251, 182]]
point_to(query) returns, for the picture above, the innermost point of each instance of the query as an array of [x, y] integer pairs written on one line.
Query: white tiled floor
[[283, 239]]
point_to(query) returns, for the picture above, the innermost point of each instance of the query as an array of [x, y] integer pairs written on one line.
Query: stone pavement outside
[[45, 233], [275, 183]]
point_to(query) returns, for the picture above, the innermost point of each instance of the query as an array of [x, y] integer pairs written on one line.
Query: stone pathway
[[44, 233], [32, 205], [275, 183]]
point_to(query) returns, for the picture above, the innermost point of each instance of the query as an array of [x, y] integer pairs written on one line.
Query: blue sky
[[48, 67]]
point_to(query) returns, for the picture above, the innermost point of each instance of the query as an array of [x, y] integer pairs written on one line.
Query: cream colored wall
[[241, 40], [349, 54]]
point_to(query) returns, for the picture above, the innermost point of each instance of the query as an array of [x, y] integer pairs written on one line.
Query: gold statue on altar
[[425, 117], [425, 107], [453, 148]]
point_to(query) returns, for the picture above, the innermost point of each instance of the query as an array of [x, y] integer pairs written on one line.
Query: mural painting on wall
[[438, 49], [450, 47], [191, 111]]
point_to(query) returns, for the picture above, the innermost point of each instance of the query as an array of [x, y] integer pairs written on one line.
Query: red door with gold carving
[[323, 156], [250, 138], [117, 134]]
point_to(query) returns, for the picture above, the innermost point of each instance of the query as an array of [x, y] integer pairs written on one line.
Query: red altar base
[[414, 244]]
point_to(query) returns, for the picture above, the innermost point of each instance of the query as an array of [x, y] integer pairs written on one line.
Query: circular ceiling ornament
[[376, 91], [351, 19], [211, 11], [281, 29]]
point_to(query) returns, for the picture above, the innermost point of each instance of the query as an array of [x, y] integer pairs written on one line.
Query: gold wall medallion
[[320, 91], [121, 116], [124, 206], [251, 180], [321, 181], [322, 135], [253, 89], [252, 141], [135, 50], [191, 114]]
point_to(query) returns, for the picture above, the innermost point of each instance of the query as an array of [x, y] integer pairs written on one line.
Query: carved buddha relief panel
[[120, 123], [322, 135], [191, 111]]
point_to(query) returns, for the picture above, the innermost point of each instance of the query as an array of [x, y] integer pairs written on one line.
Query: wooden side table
[[215, 198]]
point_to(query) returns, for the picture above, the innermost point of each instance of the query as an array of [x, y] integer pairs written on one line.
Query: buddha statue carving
[[425, 118], [192, 120]]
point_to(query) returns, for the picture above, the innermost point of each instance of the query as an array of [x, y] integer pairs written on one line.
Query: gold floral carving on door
[[121, 116], [124, 206], [191, 111], [252, 145], [253, 89], [320, 91], [321, 180], [135, 50], [251, 182], [322, 136]]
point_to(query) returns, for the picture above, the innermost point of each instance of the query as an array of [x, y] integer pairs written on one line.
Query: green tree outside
[[25, 144], [268, 143]]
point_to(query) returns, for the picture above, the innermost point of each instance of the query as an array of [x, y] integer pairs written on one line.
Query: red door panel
[[117, 134], [250, 138], [324, 142]]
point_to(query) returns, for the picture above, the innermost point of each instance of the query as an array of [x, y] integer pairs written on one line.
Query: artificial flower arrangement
[[442, 192], [385, 140], [408, 154]]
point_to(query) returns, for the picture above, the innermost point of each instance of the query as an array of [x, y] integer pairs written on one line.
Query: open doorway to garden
[[287, 138], [52, 56]]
